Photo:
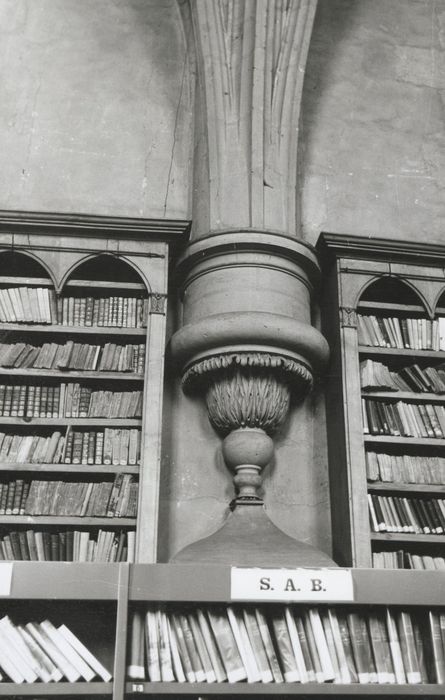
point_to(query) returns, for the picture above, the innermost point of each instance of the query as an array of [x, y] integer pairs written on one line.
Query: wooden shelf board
[[401, 352], [66, 520], [411, 488], [405, 537], [387, 306], [45, 282], [405, 396], [281, 689], [81, 469], [71, 330], [68, 581], [71, 374], [104, 422], [106, 284], [211, 583], [11, 690], [397, 440]]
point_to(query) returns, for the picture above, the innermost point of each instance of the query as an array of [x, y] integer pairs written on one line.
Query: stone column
[[246, 341]]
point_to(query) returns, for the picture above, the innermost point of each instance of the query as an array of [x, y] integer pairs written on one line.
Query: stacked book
[[407, 515], [31, 449], [113, 311], [395, 332], [116, 446], [111, 499], [67, 400], [109, 357], [286, 644], [408, 469], [67, 545], [40, 651], [400, 559], [28, 305], [422, 420], [376, 376]]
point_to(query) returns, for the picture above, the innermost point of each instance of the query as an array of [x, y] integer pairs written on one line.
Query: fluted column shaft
[[251, 56]]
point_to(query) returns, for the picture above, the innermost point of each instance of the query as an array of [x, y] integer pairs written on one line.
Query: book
[[243, 643], [227, 647], [85, 653], [284, 645]]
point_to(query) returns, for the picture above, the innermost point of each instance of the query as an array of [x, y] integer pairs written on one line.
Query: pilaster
[[246, 343]]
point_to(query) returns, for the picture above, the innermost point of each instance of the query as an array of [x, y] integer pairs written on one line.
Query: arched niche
[[107, 268], [23, 266], [107, 279], [392, 290], [439, 306]]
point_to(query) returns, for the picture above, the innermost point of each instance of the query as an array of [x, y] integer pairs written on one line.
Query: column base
[[249, 538]]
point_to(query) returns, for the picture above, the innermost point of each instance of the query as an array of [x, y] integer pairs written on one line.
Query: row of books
[[407, 469], [67, 545], [117, 446], [67, 400], [40, 305], [376, 376], [395, 332], [28, 305], [40, 651], [112, 311], [409, 515], [284, 643], [421, 420], [400, 559], [109, 357], [111, 499]]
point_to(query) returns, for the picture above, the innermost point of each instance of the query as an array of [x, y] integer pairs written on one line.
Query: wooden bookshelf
[[211, 584], [91, 298], [123, 586], [407, 293]]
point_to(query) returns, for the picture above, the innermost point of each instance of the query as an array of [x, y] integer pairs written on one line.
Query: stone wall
[[95, 112], [373, 120]]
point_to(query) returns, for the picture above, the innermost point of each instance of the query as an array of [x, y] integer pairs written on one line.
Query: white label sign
[[5, 579], [312, 585]]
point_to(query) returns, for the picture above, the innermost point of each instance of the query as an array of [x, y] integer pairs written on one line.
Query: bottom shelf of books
[[49, 649], [118, 631], [215, 648]]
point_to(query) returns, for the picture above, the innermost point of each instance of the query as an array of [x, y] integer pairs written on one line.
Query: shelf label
[[5, 579], [288, 585]]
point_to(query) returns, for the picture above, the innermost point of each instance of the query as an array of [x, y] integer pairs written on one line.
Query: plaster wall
[[372, 136], [95, 112]]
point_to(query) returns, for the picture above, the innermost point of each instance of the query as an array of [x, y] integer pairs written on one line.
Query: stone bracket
[[348, 317], [158, 303]]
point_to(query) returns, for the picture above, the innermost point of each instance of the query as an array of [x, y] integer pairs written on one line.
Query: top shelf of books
[[40, 305]]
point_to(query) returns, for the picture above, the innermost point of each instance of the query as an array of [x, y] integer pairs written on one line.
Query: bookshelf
[[82, 339], [124, 588], [211, 584], [381, 310]]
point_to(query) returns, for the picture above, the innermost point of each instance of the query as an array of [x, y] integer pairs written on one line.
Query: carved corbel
[[249, 357], [248, 395]]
